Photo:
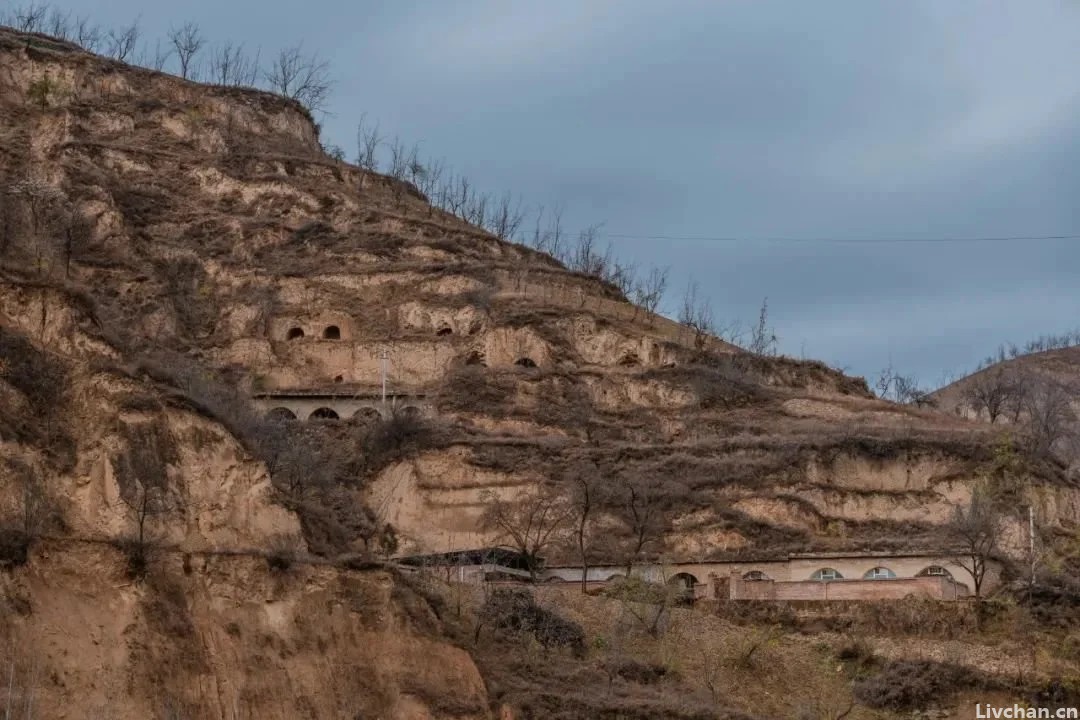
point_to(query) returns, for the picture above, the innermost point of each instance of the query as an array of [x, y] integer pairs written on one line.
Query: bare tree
[[158, 60], [992, 390], [187, 40], [44, 205], [976, 529], [649, 290], [229, 65], [368, 141], [59, 24], [122, 41], [1050, 417], [304, 78], [762, 338], [637, 504], [86, 35], [507, 218], [476, 209], [586, 495], [31, 17], [696, 314], [530, 523], [142, 474], [586, 256]]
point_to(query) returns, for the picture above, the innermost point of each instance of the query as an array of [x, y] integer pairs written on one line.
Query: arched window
[[323, 413], [332, 332], [685, 581], [367, 415], [826, 574], [879, 573], [525, 362], [934, 571], [755, 575], [294, 334], [281, 413]]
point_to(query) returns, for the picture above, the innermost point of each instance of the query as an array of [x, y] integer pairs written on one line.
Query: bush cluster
[[516, 611]]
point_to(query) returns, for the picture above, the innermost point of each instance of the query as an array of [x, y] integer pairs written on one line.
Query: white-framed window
[[879, 573], [935, 571], [827, 574]]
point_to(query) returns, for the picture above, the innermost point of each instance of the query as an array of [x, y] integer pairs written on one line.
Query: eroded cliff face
[[224, 636], [211, 223]]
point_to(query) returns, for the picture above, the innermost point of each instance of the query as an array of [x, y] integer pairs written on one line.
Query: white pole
[[383, 359]]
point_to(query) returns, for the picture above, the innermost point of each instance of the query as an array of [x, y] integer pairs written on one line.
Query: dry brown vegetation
[[144, 284]]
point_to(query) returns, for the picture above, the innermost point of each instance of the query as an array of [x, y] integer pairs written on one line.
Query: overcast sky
[[854, 121]]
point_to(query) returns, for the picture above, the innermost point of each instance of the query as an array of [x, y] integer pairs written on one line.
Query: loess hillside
[[178, 260], [208, 223]]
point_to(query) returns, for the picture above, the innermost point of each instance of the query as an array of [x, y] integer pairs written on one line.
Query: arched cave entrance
[[332, 332], [475, 358], [410, 411], [525, 362], [443, 331], [294, 334], [367, 416], [281, 413]]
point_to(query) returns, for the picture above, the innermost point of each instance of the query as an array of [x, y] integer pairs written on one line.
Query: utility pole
[[384, 358], [1031, 547]]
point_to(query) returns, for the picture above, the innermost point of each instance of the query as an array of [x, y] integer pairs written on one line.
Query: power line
[[843, 241]]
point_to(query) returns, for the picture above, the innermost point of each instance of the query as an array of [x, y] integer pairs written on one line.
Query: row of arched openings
[[327, 413], [330, 332], [333, 332], [875, 573], [688, 581]]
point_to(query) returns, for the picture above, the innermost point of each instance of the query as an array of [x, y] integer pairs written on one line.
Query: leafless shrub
[[762, 337], [142, 474], [368, 141], [637, 502], [994, 391], [507, 218], [86, 35], [59, 24], [649, 290], [976, 530], [282, 552], [304, 78], [187, 41], [30, 17], [696, 314], [158, 60], [400, 435], [530, 523], [905, 389], [913, 684], [230, 66], [516, 612], [1051, 421], [121, 41]]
